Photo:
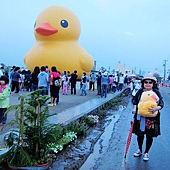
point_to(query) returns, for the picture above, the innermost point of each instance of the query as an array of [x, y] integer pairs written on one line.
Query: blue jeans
[[43, 93], [34, 87], [104, 90], [83, 88], [113, 89], [120, 86]]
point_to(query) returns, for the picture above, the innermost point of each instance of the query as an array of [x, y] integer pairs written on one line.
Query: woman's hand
[[154, 109], [134, 111]]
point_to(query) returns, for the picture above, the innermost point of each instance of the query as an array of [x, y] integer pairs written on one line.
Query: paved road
[[113, 158]]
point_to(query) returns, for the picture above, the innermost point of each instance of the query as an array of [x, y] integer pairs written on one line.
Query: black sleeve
[[161, 102], [18, 76]]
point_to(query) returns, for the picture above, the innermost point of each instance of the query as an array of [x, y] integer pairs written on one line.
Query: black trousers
[[149, 140], [91, 85], [3, 117], [15, 85], [73, 88], [54, 91]]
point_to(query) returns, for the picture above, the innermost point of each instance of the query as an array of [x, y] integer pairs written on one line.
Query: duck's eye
[[34, 24], [64, 23]]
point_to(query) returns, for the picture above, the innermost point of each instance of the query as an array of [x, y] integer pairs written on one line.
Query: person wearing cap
[[4, 98], [146, 126]]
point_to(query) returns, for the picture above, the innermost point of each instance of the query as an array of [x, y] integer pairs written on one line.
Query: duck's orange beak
[[46, 29], [153, 97]]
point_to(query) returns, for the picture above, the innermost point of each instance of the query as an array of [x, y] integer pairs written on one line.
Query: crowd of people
[[25, 80], [52, 82], [104, 83]]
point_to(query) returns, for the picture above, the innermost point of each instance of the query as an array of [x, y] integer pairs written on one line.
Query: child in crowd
[[114, 87], [4, 98], [65, 86]]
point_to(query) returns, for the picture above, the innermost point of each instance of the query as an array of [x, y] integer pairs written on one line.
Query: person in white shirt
[[121, 82]]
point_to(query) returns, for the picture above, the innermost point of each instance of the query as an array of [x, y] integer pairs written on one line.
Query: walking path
[[77, 111], [70, 107]]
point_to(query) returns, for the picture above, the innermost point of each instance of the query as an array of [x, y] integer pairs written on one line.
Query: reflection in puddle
[[102, 144]]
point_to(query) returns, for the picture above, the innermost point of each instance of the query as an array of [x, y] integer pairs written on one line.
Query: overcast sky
[[134, 32]]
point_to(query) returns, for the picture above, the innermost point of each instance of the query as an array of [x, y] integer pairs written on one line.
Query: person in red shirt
[[55, 80]]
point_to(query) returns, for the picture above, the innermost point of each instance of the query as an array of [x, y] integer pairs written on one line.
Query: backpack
[[56, 81]]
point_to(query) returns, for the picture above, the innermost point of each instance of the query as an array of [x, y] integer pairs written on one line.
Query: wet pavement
[[112, 157]]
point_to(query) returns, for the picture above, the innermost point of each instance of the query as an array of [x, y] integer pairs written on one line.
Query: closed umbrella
[[129, 138]]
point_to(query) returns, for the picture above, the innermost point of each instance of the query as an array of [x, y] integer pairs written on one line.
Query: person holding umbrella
[[146, 126]]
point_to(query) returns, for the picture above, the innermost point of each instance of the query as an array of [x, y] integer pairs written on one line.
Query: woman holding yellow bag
[[147, 103]]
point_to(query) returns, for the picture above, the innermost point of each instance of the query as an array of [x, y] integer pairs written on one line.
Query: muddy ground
[[74, 155]]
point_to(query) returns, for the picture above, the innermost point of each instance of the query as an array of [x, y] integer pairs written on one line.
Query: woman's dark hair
[[16, 68], [23, 72], [43, 68], [28, 72], [13, 67], [36, 70], [5, 78], [53, 69]]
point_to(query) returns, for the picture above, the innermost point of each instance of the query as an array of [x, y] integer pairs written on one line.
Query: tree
[[102, 69]]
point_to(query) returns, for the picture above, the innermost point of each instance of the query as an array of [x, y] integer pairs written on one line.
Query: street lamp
[[164, 68]]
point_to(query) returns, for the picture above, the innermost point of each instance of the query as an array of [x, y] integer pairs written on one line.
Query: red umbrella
[[129, 138]]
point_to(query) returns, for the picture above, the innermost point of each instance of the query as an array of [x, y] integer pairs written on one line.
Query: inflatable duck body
[[57, 30], [148, 100]]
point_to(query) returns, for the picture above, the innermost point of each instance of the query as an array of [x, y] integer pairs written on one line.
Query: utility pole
[[164, 68]]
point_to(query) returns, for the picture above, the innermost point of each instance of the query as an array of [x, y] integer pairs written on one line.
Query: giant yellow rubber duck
[[57, 30]]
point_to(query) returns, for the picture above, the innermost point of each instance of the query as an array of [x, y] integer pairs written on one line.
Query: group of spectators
[[43, 78], [52, 81], [104, 82]]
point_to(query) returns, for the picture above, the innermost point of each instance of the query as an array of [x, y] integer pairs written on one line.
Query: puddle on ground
[[82, 154], [102, 144]]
